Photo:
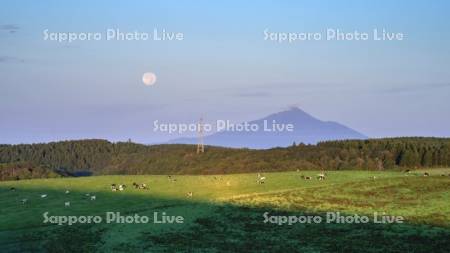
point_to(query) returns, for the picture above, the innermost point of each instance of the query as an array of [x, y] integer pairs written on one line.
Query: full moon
[[149, 78]]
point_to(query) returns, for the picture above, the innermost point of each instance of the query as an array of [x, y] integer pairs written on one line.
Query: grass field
[[225, 213]]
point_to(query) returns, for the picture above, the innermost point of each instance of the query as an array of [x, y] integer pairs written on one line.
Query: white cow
[[321, 176], [261, 180]]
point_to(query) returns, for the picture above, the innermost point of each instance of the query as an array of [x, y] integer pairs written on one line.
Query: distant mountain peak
[[295, 108], [292, 115], [307, 129]]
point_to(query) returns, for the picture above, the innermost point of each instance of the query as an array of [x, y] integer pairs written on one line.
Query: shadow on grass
[[208, 227]]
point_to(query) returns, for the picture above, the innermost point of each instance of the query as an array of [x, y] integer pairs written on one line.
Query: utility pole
[[200, 144]]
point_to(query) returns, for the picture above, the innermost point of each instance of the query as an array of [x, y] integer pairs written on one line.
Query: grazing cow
[[143, 186], [261, 180], [140, 186], [426, 174], [113, 187], [43, 195], [189, 194], [12, 189], [67, 203], [306, 177], [171, 179], [24, 201], [93, 197], [321, 176], [122, 187]]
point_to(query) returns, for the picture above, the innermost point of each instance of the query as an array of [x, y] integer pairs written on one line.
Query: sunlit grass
[[421, 200]]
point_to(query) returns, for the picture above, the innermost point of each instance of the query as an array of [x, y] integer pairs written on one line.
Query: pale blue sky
[[223, 69]]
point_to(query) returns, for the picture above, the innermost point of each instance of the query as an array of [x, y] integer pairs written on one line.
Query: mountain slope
[[306, 129]]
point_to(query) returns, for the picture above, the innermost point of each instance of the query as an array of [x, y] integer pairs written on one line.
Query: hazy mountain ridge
[[307, 129]]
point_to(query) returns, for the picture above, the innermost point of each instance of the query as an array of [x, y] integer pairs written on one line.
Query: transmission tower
[[200, 144]]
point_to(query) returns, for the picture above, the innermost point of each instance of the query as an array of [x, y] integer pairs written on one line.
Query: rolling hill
[[99, 157]]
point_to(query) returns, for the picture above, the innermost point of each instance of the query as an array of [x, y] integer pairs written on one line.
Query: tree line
[[69, 158]]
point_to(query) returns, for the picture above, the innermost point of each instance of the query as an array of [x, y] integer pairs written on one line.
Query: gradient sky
[[223, 69]]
